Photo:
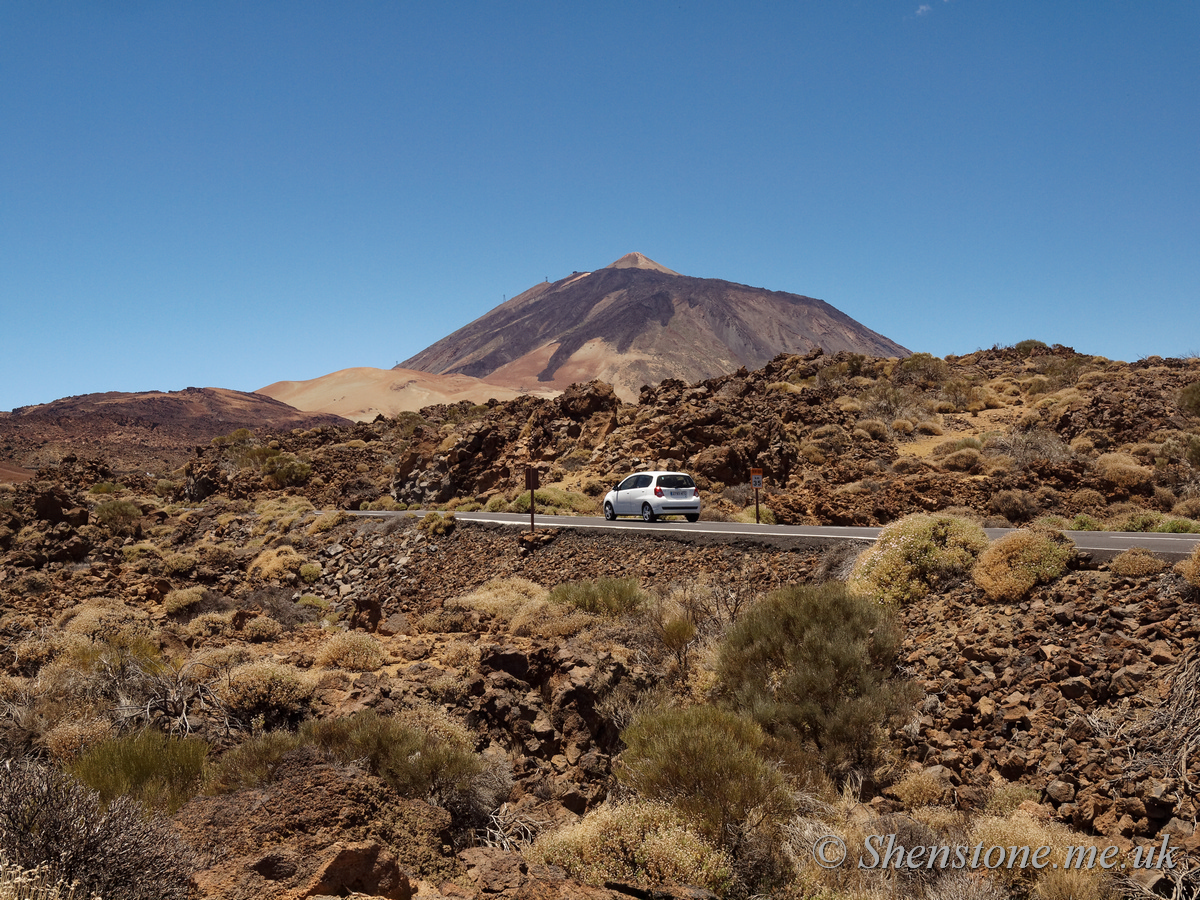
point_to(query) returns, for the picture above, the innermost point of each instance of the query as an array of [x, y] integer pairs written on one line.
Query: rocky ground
[[1080, 693]]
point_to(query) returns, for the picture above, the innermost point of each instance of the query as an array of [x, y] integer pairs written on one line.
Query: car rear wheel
[[692, 517], [609, 512], [648, 513]]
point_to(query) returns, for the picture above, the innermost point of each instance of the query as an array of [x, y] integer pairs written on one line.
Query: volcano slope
[[636, 322], [219, 612]]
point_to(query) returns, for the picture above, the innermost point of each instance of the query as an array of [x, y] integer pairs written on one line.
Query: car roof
[[658, 472]]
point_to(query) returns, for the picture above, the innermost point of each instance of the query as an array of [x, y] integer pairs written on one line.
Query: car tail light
[[696, 493], [658, 492]]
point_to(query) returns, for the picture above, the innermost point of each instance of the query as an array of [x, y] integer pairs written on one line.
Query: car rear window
[[675, 481]]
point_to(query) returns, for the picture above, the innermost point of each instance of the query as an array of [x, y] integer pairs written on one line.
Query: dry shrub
[[276, 562], [354, 651], [501, 598], [1025, 445], [1136, 562], [1006, 796], [1016, 506], [114, 851], [69, 738], [874, 428], [521, 607], [917, 789], [272, 693], [1019, 829], [183, 600], [930, 427], [908, 465], [966, 460], [280, 514], [211, 624], [541, 618], [38, 883], [327, 521], [436, 525], [1189, 509], [309, 572], [261, 629], [97, 618], [602, 597], [1190, 568], [635, 843], [915, 555], [435, 721], [1089, 499], [1122, 470], [902, 426], [1011, 566]]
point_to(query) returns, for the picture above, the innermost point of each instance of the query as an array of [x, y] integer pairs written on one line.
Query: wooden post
[[756, 479], [531, 482]]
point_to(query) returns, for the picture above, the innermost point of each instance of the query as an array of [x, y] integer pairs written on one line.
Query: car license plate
[[678, 495]]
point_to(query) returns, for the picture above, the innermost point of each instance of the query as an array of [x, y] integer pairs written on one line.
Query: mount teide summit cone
[[636, 322]]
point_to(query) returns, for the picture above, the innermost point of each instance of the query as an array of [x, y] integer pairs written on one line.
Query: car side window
[[644, 481], [628, 484]]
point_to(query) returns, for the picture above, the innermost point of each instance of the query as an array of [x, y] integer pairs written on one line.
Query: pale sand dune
[[361, 393]]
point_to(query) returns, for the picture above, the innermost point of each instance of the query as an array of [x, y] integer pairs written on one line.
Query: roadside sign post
[[756, 479], [531, 482]]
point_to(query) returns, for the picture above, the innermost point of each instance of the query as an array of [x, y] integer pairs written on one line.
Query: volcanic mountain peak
[[636, 322], [639, 261]]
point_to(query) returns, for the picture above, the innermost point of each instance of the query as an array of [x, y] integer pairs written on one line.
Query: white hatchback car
[[654, 494]]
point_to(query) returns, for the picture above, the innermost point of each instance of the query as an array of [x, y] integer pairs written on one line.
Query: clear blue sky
[[232, 194]]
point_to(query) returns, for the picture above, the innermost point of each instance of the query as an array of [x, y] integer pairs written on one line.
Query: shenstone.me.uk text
[[883, 851]]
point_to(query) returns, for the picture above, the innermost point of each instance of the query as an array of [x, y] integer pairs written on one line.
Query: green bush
[[635, 843], [603, 597], [707, 763], [161, 772], [48, 818], [915, 555], [104, 487], [815, 664], [1084, 522], [1011, 566]]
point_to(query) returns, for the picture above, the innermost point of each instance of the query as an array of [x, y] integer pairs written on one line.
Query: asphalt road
[[1101, 544]]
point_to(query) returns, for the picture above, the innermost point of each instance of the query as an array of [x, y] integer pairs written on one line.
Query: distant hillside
[[637, 322], [150, 429], [362, 393]]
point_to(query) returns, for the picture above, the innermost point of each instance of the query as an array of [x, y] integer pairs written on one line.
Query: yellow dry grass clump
[[1010, 567], [636, 842], [1135, 562], [276, 563], [521, 607], [353, 651]]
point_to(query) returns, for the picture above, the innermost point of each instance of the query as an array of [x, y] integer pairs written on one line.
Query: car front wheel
[[609, 512], [648, 513]]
